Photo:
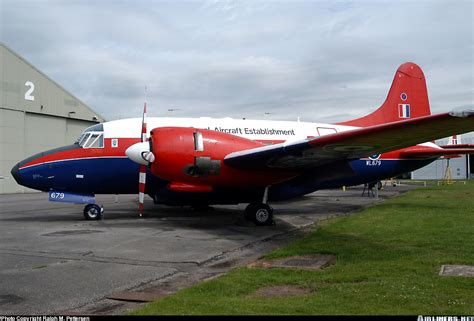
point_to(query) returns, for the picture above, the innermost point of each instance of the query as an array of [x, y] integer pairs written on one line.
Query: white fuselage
[[266, 131], [258, 130]]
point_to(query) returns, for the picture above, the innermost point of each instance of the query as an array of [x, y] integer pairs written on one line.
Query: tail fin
[[407, 98], [455, 140]]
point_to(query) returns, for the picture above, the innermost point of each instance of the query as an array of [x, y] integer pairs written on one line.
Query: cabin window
[[198, 142]]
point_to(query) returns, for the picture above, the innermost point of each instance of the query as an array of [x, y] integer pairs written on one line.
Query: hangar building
[[461, 167], [36, 114]]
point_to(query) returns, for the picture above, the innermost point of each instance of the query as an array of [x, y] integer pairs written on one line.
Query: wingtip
[[464, 112]]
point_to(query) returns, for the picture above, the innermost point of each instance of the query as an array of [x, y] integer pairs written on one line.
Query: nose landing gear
[[93, 212]]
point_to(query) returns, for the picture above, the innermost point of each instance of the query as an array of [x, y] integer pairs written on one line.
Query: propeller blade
[[144, 139], [145, 156], [141, 189]]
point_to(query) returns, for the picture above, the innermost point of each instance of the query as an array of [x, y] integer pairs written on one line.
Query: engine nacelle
[[196, 157]]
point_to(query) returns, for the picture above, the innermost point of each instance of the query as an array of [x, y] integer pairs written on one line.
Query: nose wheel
[[93, 212]]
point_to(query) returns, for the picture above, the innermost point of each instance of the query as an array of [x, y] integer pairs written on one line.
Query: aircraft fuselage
[[97, 162]]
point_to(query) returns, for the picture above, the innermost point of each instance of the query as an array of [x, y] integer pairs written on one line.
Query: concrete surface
[[53, 261], [457, 270]]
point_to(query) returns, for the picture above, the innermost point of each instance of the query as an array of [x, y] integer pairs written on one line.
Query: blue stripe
[[120, 176]]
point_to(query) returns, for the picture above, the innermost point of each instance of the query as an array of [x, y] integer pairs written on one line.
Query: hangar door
[[74, 128], [43, 132]]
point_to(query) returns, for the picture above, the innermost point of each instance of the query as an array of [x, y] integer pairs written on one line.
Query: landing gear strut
[[260, 213], [93, 212]]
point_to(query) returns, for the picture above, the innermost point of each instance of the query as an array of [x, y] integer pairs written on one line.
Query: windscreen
[[92, 137]]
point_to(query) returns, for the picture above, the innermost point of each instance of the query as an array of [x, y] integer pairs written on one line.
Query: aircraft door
[[322, 131]]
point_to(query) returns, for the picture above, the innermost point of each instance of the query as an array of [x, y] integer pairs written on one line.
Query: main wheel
[[202, 208], [379, 185], [259, 213], [92, 212]]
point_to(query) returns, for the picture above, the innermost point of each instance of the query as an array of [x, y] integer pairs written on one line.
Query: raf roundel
[[403, 96]]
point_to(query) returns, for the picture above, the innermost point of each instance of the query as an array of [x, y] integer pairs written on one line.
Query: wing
[[353, 144], [427, 152], [466, 146]]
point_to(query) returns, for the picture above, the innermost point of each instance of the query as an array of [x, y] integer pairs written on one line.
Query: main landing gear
[[93, 212], [260, 213]]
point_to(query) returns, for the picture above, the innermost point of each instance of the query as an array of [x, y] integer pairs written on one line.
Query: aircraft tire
[[92, 212], [379, 185], [259, 213], [202, 208]]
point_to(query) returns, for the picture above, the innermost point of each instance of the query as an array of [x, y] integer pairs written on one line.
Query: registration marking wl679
[[373, 162]]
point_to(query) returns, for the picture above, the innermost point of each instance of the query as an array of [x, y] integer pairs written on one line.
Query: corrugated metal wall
[[460, 168], [437, 169], [36, 114]]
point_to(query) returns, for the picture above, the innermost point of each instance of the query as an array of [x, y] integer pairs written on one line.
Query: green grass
[[388, 260]]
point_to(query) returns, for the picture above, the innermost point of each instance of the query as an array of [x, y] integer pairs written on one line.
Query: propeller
[[140, 153]]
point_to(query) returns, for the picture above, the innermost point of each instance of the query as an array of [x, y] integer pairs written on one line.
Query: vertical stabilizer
[[407, 98]]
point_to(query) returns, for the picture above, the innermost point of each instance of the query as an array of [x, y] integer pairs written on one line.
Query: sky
[[322, 61]]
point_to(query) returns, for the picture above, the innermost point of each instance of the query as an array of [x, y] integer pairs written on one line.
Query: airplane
[[207, 161]]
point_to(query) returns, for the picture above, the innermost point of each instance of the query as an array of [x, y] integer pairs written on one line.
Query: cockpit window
[[92, 137], [80, 141]]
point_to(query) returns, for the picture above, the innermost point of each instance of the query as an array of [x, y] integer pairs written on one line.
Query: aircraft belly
[[375, 170], [363, 171]]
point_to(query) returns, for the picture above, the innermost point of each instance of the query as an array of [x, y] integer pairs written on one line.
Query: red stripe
[[106, 151], [141, 188], [269, 141]]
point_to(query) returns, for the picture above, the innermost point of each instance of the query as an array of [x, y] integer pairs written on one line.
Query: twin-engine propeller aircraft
[[204, 161]]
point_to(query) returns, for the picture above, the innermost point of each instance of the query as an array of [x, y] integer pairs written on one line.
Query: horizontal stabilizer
[[468, 146]]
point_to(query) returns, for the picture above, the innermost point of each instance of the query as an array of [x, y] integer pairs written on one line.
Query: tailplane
[[407, 98]]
